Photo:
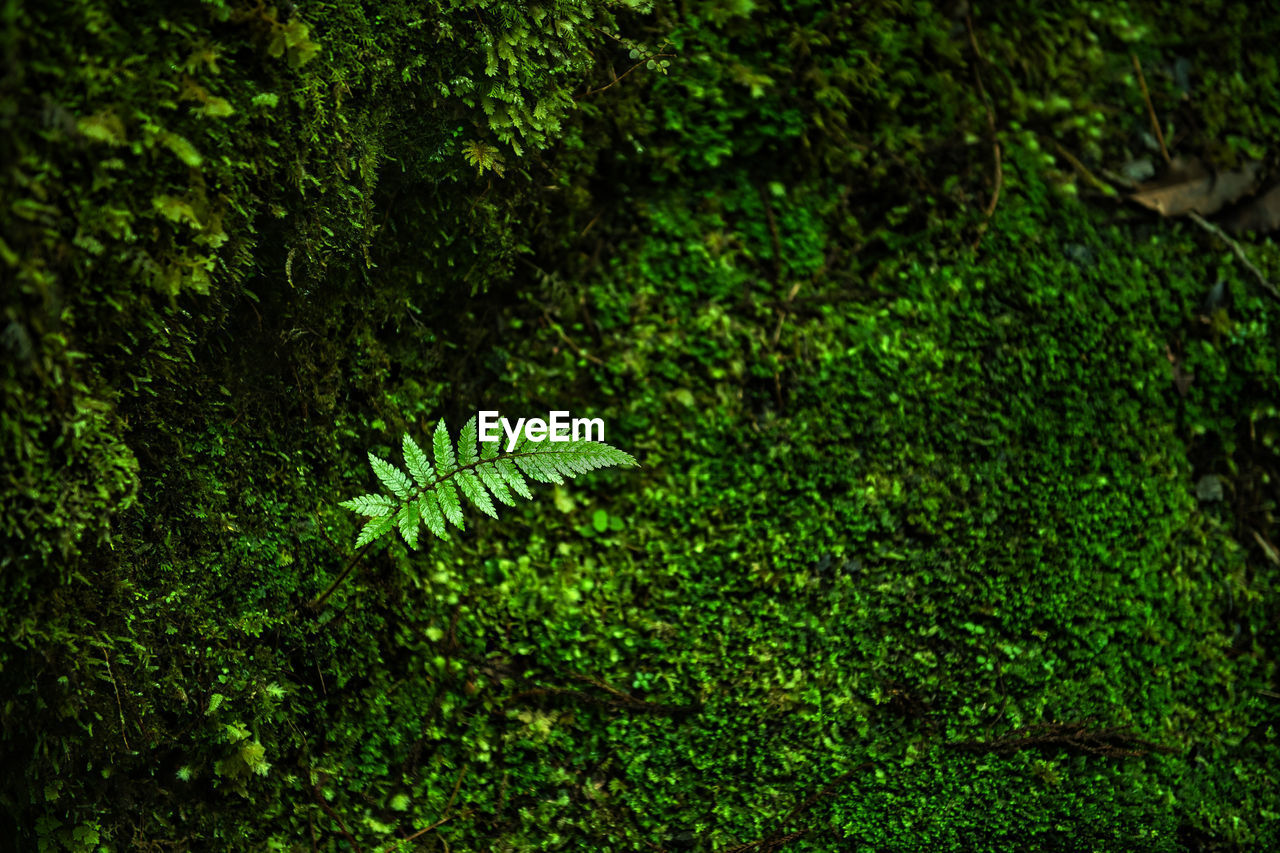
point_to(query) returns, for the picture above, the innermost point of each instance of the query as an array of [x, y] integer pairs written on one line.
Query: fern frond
[[408, 519], [429, 495], [375, 528], [480, 154], [443, 449], [511, 474], [429, 510], [471, 486], [371, 505], [391, 476], [447, 494], [416, 461], [467, 444]]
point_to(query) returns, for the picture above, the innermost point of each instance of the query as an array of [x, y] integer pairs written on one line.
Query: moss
[[899, 494]]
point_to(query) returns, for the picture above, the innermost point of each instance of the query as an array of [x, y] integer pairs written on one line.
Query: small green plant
[[429, 495], [484, 157]]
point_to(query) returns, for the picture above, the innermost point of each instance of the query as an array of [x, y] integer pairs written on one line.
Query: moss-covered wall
[[915, 479]]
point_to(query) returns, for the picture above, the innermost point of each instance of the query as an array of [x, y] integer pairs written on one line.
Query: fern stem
[[318, 602]]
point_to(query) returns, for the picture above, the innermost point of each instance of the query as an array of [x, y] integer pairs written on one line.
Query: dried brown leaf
[[1190, 188]]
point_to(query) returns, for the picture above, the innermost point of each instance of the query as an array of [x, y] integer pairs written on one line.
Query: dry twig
[[1112, 742], [617, 78], [444, 817], [335, 817], [1094, 180], [990, 209], [119, 706], [1237, 249], [1151, 110]]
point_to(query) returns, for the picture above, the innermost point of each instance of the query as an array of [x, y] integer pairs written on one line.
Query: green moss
[[899, 493]]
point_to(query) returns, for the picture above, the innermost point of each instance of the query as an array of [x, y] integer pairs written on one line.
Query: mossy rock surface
[[955, 526]]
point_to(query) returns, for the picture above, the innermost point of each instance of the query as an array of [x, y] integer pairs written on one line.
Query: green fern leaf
[[447, 494], [392, 477], [373, 505], [375, 528], [471, 486], [536, 469], [561, 464], [431, 498], [429, 510], [489, 476], [443, 449], [408, 520], [467, 444], [416, 461], [480, 154], [511, 474], [588, 455]]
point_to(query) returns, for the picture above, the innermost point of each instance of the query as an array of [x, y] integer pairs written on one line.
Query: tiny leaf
[[509, 472]]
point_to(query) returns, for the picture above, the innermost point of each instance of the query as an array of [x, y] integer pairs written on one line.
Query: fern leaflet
[[428, 495]]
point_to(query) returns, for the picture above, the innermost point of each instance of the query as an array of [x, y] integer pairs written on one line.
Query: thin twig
[[444, 816], [777, 277], [316, 603], [996, 157], [995, 148], [119, 707], [325, 534], [1237, 248], [334, 816], [1119, 180], [605, 687], [618, 78], [1078, 737], [593, 221], [782, 313], [1094, 180], [476, 201], [1151, 110]]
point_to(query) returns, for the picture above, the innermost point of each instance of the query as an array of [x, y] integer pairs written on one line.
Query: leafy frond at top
[[429, 495]]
